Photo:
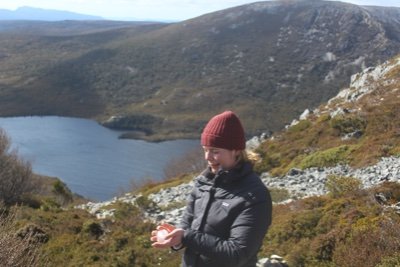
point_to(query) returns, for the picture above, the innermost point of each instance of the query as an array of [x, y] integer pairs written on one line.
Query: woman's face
[[220, 158]]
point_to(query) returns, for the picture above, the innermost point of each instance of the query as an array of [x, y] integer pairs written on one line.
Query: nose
[[207, 155]]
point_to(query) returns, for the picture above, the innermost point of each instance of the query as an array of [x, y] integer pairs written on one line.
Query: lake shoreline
[[92, 160]]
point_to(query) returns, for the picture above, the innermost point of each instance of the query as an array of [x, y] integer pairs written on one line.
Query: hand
[[173, 238]]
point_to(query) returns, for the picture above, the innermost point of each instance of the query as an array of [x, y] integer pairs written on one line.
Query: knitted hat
[[224, 131]]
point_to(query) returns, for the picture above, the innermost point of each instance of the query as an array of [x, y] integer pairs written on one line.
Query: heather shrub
[[268, 161], [15, 174], [144, 202], [328, 157], [366, 246], [62, 193], [389, 190], [19, 247], [93, 229], [339, 186], [300, 126], [348, 124], [390, 261], [279, 194]]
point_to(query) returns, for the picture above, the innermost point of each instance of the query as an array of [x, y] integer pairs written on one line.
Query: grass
[[319, 231], [153, 187]]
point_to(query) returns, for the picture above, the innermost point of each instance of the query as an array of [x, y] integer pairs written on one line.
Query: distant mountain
[[31, 13], [69, 27], [267, 61]]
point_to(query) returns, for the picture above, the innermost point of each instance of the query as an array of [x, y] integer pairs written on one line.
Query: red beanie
[[224, 131]]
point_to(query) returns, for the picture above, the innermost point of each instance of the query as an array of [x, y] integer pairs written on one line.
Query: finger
[[168, 236], [171, 234], [169, 227]]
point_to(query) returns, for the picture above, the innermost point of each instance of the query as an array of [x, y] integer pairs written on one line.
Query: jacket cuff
[[178, 247], [182, 244]]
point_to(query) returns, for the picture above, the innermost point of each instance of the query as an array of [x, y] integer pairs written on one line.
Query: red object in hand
[[163, 230]]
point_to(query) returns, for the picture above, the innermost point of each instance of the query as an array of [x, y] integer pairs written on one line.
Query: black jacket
[[226, 219]]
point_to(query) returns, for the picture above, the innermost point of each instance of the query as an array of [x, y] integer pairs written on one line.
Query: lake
[[88, 157]]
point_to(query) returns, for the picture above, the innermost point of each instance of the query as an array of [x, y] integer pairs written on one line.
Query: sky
[[166, 10]]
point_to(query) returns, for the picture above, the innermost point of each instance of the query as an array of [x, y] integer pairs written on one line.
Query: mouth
[[213, 165]]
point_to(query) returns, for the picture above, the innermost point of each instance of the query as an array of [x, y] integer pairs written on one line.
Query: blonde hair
[[242, 156]]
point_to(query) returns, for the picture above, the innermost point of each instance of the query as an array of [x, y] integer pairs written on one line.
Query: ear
[[236, 153]]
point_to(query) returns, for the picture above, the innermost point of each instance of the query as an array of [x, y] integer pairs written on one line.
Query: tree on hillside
[[15, 174]]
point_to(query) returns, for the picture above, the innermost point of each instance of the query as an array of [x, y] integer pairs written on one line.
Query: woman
[[229, 210]]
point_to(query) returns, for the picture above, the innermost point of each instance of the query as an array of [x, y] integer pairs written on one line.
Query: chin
[[215, 168]]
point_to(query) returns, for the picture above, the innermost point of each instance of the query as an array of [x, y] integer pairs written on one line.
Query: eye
[[214, 151]]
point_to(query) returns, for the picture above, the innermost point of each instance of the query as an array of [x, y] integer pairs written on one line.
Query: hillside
[[350, 216], [357, 127], [349, 226], [267, 60]]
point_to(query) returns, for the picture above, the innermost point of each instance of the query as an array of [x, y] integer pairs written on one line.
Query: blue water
[[89, 158]]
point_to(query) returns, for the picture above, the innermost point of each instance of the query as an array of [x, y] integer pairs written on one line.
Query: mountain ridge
[[268, 61]]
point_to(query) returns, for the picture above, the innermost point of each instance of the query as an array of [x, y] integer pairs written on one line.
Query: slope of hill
[[267, 61], [350, 226], [357, 127]]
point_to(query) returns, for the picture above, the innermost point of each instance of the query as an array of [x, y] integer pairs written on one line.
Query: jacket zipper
[[205, 213]]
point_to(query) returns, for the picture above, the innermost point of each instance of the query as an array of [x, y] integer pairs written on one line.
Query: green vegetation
[[348, 124], [79, 239], [348, 228], [279, 194], [339, 186], [328, 157], [316, 231]]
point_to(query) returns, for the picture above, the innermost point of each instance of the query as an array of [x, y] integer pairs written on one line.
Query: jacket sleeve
[[246, 236]]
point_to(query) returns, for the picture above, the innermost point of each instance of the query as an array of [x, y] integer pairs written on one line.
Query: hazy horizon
[[172, 10]]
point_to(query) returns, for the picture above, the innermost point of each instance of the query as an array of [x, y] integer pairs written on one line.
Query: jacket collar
[[226, 176]]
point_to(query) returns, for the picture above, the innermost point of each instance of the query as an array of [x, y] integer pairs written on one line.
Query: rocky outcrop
[[311, 181], [273, 261], [366, 81]]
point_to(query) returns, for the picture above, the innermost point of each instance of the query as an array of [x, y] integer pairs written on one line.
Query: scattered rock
[[311, 182]]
